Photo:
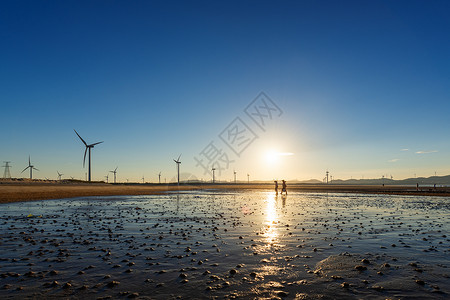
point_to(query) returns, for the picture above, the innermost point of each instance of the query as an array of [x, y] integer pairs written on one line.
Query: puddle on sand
[[224, 244]]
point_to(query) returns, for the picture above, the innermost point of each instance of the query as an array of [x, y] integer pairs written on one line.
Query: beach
[[224, 243], [13, 191]]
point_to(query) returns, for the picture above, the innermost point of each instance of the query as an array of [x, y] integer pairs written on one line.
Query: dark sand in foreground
[[225, 244]]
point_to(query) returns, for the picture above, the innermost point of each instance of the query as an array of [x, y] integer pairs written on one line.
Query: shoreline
[[30, 191]]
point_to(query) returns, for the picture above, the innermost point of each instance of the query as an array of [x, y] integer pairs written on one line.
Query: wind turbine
[[178, 162], [115, 171], [234, 172], [31, 168], [248, 178], [90, 146], [213, 169], [159, 177], [143, 179], [59, 175], [107, 177]]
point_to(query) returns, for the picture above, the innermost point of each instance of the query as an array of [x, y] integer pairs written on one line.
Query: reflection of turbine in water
[[271, 218]]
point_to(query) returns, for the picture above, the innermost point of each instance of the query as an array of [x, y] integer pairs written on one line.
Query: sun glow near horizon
[[273, 156]]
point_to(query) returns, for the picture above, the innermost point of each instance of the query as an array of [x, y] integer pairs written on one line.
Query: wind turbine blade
[[92, 145], [84, 159], [25, 169], [29, 160], [80, 138], [179, 158], [35, 169], [115, 169]]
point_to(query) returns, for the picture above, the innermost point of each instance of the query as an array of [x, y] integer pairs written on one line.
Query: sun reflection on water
[[271, 213]]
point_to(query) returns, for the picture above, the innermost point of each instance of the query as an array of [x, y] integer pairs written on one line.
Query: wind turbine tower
[[7, 173], [88, 147], [31, 168], [115, 171], [159, 177], [248, 178], [178, 162], [234, 172], [143, 179], [327, 175], [59, 175], [213, 170], [107, 178]]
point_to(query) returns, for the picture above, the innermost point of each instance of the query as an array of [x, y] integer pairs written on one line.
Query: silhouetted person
[[283, 188], [276, 187]]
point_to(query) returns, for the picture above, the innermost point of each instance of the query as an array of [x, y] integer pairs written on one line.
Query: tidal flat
[[227, 244]]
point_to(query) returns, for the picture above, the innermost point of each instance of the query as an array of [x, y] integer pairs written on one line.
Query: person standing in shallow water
[[283, 188], [276, 187]]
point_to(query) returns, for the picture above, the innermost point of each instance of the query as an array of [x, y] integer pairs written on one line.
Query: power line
[[7, 173]]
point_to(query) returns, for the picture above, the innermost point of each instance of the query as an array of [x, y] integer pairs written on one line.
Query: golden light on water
[[271, 231]]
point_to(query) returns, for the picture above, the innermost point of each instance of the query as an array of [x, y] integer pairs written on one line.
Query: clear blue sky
[[358, 82]]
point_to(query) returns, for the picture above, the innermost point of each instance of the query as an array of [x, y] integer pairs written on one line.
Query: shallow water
[[227, 244]]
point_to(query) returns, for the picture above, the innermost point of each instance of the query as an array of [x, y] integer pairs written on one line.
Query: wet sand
[[208, 244], [14, 191]]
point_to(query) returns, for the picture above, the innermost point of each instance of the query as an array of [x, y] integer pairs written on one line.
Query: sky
[[273, 89]]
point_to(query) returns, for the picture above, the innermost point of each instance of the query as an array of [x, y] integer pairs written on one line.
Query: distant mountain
[[438, 180], [310, 181]]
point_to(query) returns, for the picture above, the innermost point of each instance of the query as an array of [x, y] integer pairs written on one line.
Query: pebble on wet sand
[[420, 282], [133, 295], [282, 294], [360, 268], [112, 283]]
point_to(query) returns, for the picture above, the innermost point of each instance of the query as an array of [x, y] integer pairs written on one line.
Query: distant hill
[[438, 180], [310, 181]]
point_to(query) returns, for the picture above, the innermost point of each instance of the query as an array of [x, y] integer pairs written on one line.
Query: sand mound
[[344, 265]]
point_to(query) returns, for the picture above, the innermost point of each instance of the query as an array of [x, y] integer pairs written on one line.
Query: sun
[[273, 157]]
